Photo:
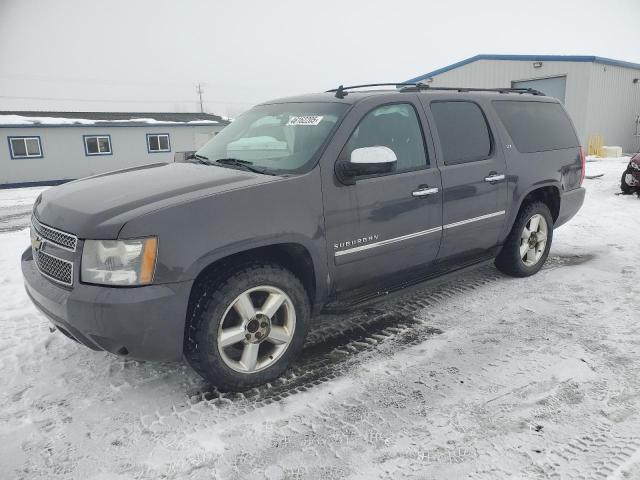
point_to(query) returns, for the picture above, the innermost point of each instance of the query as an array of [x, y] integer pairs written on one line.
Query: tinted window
[[393, 126], [536, 126], [462, 130]]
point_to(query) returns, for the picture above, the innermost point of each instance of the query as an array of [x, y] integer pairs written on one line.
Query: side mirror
[[366, 161], [182, 157]]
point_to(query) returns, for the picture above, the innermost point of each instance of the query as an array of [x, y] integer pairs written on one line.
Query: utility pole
[[200, 92]]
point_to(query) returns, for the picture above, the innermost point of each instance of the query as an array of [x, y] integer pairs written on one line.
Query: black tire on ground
[[509, 260], [626, 189], [209, 305]]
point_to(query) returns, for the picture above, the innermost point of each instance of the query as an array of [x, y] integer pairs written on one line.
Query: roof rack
[[341, 91], [424, 86]]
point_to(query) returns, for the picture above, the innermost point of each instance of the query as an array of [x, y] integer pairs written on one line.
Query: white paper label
[[305, 120]]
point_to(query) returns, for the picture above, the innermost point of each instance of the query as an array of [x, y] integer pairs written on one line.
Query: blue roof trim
[[529, 58]]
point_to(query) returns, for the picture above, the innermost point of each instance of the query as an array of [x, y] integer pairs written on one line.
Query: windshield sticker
[[306, 120]]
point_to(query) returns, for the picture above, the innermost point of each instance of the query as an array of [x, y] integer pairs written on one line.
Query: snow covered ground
[[481, 376]]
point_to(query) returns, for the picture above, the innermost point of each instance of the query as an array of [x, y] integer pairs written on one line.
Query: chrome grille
[[54, 268], [58, 237]]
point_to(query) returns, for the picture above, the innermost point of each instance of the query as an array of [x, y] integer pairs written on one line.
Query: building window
[[97, 144], [158, 142], [25, 147]]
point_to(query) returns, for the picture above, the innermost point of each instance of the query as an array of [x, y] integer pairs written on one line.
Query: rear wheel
[[527, 246], [246, 329]]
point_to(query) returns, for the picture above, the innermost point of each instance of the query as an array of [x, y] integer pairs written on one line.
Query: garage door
[[553, 87]]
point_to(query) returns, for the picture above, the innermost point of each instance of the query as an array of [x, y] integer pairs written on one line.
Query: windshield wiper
[[201, 158], [244, 164]]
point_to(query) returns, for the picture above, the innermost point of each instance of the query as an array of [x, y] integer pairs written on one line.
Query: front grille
[[62, 239], [55, 268]]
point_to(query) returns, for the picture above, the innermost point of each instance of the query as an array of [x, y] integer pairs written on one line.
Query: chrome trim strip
[[387, 242], [417, 234], [474, 219], [35, 223], [53, 279]]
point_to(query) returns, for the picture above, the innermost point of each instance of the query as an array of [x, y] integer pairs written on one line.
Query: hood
[[99, 206], [635, 161]]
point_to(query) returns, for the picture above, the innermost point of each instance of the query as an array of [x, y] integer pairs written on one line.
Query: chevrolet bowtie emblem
[[36, 242]]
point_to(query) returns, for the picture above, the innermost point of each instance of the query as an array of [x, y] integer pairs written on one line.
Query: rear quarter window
[[536, 126]]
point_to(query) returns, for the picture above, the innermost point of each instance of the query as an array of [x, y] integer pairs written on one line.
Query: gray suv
[[300, 204]]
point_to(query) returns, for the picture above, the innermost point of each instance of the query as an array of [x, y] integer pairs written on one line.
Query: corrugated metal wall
[[614, 105], [500, 73]]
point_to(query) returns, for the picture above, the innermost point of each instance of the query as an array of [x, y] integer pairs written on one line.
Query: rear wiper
[[244, 164]]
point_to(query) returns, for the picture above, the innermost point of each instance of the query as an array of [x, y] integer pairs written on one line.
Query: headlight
[[119, 262]]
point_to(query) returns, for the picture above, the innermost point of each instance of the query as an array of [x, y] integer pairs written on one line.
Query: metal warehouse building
[[53, 147], [601, 95]]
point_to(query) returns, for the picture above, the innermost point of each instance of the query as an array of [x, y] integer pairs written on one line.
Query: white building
[[601, 95], [45, 148]]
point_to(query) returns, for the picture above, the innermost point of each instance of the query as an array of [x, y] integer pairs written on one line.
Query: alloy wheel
[[256, 329], [533, 240]]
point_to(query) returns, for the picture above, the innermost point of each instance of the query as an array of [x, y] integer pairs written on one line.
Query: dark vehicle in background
[[304, 203], [630, 181]]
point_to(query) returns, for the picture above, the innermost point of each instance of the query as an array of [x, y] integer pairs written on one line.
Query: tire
[[510, 260], [626, 189], [237, 336]]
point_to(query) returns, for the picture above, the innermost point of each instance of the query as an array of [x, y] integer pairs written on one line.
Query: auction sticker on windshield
[[305, 120]]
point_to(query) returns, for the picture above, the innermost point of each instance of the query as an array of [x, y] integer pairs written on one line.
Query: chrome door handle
[[423, 192], [494, 178]]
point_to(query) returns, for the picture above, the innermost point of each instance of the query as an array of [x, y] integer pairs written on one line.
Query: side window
[[25, 147], [462, 130], [396, 127], [158, 142], [536, 126]]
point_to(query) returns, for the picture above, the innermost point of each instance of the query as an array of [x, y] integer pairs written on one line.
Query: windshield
[[282, 138]]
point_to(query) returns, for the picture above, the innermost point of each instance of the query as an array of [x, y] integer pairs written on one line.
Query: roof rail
[[341, 91], [417, 87]]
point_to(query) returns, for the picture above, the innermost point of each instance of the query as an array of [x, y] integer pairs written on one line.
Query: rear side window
[[536, 126], [462, 130]]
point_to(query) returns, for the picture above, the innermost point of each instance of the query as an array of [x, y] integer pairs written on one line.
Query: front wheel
[[527, 246], [247, 329]]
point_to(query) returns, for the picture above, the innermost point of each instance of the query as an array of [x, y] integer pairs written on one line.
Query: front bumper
[[570, 203], [144, 323]]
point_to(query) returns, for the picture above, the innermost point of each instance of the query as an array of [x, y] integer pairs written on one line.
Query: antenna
[[200, 92]]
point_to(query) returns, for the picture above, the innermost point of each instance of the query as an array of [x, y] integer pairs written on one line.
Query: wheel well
[[550, 196], [292, 256]]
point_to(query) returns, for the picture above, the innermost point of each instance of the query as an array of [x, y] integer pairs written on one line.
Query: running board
[[365, 299]]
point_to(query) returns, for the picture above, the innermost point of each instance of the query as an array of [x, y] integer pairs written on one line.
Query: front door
[[383, 224], [473, 172]]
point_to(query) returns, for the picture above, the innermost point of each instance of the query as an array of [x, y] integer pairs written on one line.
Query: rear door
[[473, 172], [384, 224]]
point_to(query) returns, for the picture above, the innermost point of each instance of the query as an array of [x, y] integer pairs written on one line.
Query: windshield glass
[[281, 137]]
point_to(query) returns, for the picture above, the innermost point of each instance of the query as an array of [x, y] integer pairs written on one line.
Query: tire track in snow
[[334, 346]]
